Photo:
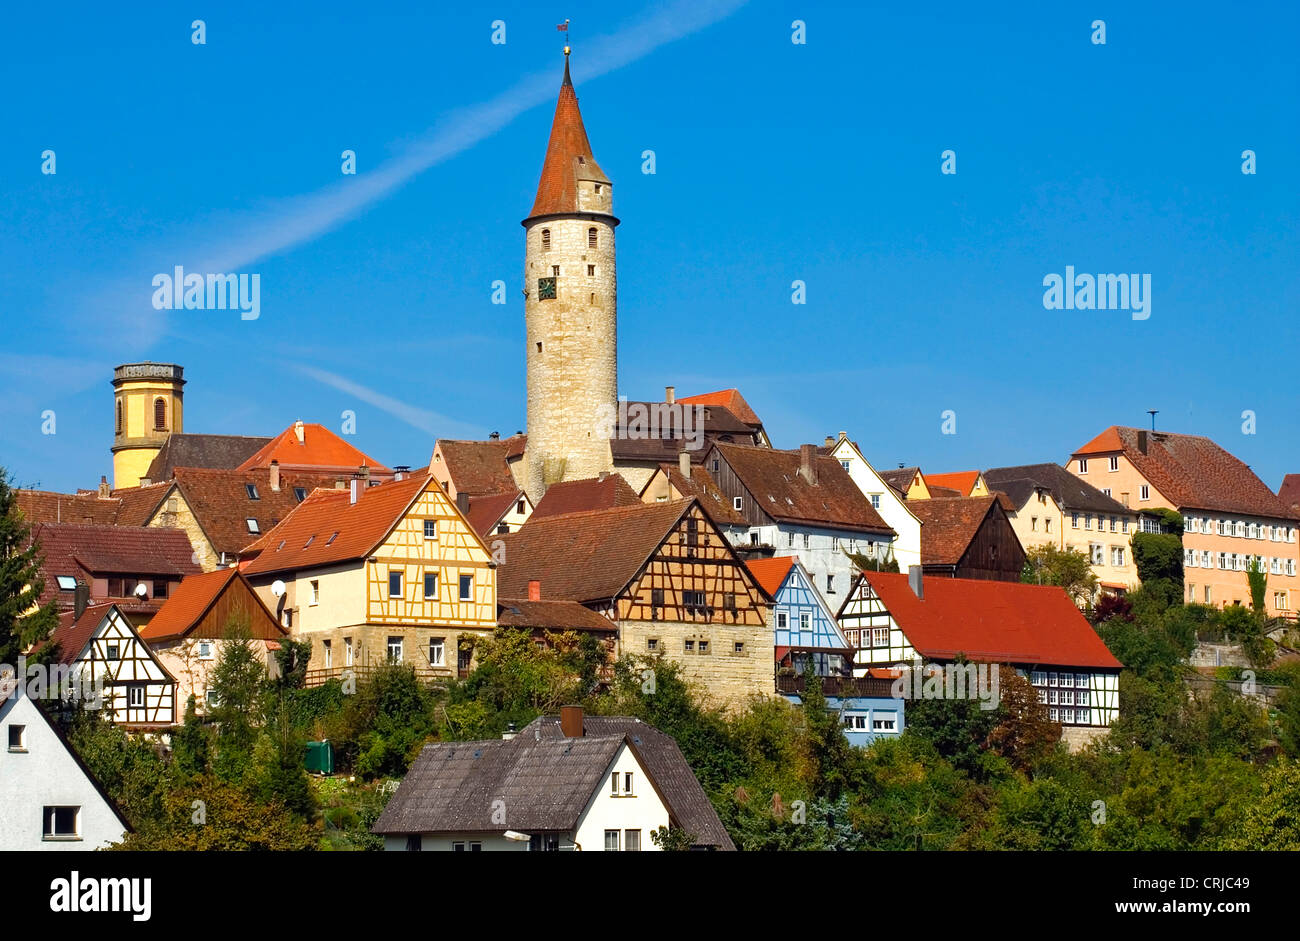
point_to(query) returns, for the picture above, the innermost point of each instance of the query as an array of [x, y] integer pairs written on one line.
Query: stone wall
[[723, 676]]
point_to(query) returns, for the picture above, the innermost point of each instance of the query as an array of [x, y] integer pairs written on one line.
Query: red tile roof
[[1192, 472], [730, 399], [900, 479], [319, 448], [220, 502], [990, 621], [1289, 492], [773, 479], [948, 524], [479, 467], [704, 488], [83, 551], [129, 506], [771, 573], [578, 496], [961, 481], [194, 597], [585, 557], [551, 615], [305, 538], [74, 633], [568, 157], [486, 510]]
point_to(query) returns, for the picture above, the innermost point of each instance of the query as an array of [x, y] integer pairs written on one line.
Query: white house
[[48, 798], [603, 784], [884, 499]]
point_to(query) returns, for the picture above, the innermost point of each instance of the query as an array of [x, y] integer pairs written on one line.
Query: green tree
[[1272, 821], [238, 681], [672, 838], [1068, 568], [20, 583], [1159, 561]]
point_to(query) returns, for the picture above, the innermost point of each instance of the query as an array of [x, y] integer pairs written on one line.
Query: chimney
[[353, 498], [1142, 440], [104, 492], [510, 732], [495, 436], [829, 442], [914, 581], [364, 472], [81, 599], [684, 463], [144, 482], [462, 502], [670, 393], [602, 475], [808, 462], [534, 589], [339, 484], [298, 431], [843, 435], [400, 471], [275, 476], [571, 721]]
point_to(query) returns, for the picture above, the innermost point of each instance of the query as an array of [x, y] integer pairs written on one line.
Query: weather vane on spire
[[564, 28]]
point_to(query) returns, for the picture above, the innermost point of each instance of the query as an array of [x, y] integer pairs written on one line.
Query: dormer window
[[251, 490], [252, 526], [67, 583]]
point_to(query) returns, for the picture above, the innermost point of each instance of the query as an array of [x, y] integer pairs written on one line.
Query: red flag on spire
[[563, 27]]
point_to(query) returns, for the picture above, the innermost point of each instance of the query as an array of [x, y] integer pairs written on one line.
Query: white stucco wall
[[44, 775]]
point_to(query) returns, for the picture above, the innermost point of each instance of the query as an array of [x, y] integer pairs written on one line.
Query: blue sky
[[775, 162]]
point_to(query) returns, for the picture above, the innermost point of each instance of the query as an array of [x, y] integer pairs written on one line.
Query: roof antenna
[[1152, 412]]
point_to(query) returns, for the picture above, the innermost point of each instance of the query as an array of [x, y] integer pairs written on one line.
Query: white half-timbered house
[[897, 620], [102, 647]]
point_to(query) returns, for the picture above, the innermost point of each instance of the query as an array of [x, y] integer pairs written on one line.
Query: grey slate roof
[[544, 785], [215, 452], [1067, 490], [686, 800]]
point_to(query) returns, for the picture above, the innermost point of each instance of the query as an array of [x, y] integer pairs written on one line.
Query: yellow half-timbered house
[[390, 572]]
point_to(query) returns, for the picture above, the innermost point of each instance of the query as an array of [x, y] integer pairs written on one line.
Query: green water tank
[[320, 758]]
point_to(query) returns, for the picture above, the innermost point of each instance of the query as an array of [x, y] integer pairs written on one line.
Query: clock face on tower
[[546, 289]]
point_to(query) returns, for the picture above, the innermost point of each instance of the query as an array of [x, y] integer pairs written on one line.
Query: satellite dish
[[277, 588], [142, 590]]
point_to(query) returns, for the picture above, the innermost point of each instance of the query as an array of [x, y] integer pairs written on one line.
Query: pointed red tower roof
[[568, 156]]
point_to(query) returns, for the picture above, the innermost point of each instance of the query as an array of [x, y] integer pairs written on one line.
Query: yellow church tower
[[570, 295], [147, 408]]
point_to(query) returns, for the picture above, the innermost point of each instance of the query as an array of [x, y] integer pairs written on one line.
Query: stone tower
[[570, 308], [148, 407]]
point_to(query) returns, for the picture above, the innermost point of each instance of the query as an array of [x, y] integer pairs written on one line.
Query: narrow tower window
[[591, 237], [160, 414], [546, 240], [119, 416]]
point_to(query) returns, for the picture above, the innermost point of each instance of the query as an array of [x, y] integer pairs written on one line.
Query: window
[[251, 490], [430, 586], [430, 529], [1207, 594], [466, 588], [611, 841], [67, 582], [347, 651], [1113, 524], [394, 650], [627, 784], [729, 601], [160, 414], [333, 536], [1144, 492], [789, 539], [1087, 521], [880, 637], [591, 237], [738, 648], [1189, 558], [212, 699], [394, 584], [458, 846], [300, 494], [315, 591], [414, 843], [652, 643], [805, 621], [1124, 524], [519, 506], [631, 841], [205, 650], [18, 738], [690, 646], [62, 823], [1117, 556], [613, 784], [1098, 554], [545, 292], [437, 651], [546, 240], [782, 620], [119, 416], [328, 650], [1074, 520], [1083, 465], [737, 503], [252, 526], [111, 652], [884, 722], [1047, 525], [1033, 524], [694, 601], [1280, 601], [591, 271], [830, 584], [1114, 463], [704, 647], [555, 270], [135, 696], [807, 541], [159, 590]]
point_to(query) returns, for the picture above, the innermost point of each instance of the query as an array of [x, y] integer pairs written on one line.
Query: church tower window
[[591, 237], [546, 240], [160, 414]]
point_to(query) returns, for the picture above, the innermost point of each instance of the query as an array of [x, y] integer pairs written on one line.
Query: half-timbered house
[[896, 620], [204, 614], [683, 480], [393, 572], [969, 537], [803, 625], [665, 574], [800, 503], [104, 652]]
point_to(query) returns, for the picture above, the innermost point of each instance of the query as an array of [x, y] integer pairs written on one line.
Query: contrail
[[299, 219], [416, 417]]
